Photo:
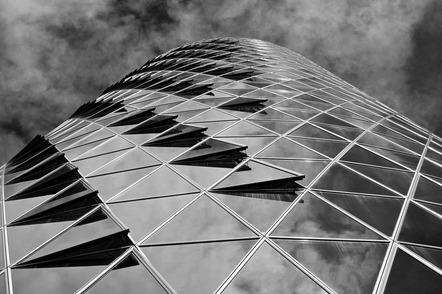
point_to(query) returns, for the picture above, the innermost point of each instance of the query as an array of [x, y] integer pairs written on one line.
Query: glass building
[[228, 166]]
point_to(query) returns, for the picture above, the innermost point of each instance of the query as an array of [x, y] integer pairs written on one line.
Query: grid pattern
[[225, 166]]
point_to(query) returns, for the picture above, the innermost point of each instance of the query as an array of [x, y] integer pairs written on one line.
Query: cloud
[[57, 55]]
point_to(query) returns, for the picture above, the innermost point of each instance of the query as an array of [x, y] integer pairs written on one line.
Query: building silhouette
[[225, 166]]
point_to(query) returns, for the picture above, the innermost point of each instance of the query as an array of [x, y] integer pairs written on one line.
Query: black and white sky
[[56, 55]]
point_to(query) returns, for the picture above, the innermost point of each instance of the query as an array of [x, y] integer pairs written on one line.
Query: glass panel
[[79, 150], [163, 181], [428, 190], [408, 276], [17, 207], [244, 129], [280, 127], [310, 131], [269, 272], [214, 127], [312, 217], [205, 176], [254, 144], [134, 159], [88, 165], [379, 212], [433, 207], [377, 141], [436, 156], [398, 180], [360, 155], [288, 149], [327, 147], [331, 120], [129, 280], [2, 260], [212, 115], [310, 168], [52, 280], [272, 114], [3, 283], [153, 212], [215, 261], [299, 113], [293, 104], [421, 227], [112, 184], [347, 267], [202, 220], [115, 144]]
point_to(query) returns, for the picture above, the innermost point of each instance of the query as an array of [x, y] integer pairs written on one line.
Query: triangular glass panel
[[311, 168], [395, 179], [115, 144], [204, 176], [134, 159], [212, 115], [154, 212], [88, 165], [331, 120], [312, 217], [254, 144], [330, 148], [434, 207], [339, 178], [380, 212], [269, 272], [95, 226], [156, 124], [180, 136], [32, 161], [214, 153], [73, 153], [111, 184], [96, 136], [189, 105], [215, 126], [309, 131], [244, 128], [215, 262], [213, 101], [50, 184], [285, 148], [129, 276], [202, 220], [38, 144], [291, 104], [3, 283], [421, 227], [280, 127], [244, 104], [101, 251], [378, 141], [408, 160], [408, 275], [299, 113], [259, 178], [339, 264], [163, 181], [361, 155]]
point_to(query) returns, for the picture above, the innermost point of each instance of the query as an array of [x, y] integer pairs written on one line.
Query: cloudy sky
[[56, 55]]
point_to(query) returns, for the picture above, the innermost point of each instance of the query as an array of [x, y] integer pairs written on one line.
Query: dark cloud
[[56, 55]]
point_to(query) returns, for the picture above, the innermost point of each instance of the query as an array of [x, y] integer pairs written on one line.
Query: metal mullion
[[8, 277], [329, 239], [385, 268], [420, 258], [202, 241]]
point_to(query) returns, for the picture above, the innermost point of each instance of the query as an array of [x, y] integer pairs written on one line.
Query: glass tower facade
[[228, 166]]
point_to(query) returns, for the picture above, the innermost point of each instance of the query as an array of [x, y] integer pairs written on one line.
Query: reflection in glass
[[312, 217], [269, 272], [285, 148], [204, 265], [428, 190], [347, 267], [433, 255]]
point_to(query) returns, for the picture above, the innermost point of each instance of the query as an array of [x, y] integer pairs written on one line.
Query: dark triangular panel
[[135, 118], [244, 104], [214, 153], [156, 124], [38, 144], [101, 251], [51, 184], [181, 136], [34, 160]]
